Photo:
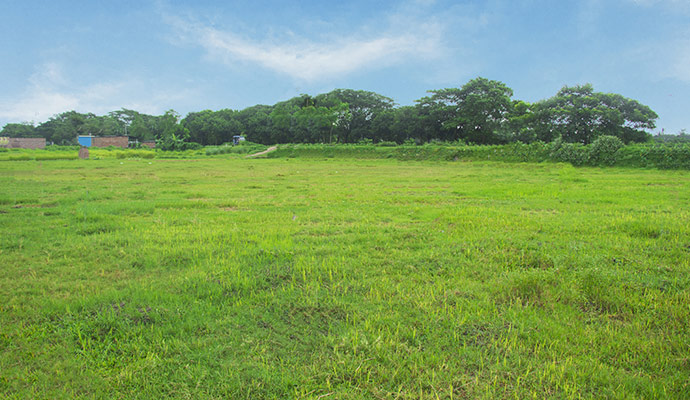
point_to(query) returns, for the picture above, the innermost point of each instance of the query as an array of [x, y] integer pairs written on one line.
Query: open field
[[336, 278]]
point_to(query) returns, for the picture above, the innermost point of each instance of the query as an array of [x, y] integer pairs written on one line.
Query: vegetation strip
[[481, 112]]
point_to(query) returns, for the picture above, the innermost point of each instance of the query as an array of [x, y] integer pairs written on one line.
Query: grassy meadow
[[342, 279]]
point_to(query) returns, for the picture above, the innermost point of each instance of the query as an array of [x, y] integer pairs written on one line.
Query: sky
[[155, 55]]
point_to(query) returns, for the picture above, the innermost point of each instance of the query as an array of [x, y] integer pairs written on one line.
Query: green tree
[[315, 124], [382, 126], [283, 122], [474, 112], [64, 128], [212, 127], [23, 130], [256, 124], [410, 124], [362, 108], [101, 126], [578, 114], [145, 127], [173, 136], [124, 118], [519, 126]]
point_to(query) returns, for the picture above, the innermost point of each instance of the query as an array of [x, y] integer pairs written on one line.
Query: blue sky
[[151, 56]]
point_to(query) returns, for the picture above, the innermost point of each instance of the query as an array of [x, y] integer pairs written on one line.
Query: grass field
[[334, 279]]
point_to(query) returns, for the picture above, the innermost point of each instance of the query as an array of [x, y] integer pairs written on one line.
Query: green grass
[[334, 279], [51, 153]]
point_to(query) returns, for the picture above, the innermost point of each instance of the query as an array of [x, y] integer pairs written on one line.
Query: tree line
[[480, 112]]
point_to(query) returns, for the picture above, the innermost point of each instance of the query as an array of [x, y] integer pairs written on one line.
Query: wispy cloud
[[674, 5], [659, 61], [309, 60], [679, 66], [49, 91]]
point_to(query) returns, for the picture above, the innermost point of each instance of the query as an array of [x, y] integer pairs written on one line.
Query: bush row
[[135, 154], [242, 148], [605, 151], [38, 157]]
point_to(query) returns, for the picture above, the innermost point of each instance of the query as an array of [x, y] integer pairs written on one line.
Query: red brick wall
[[105, 141], [26, 143], [150, 144]]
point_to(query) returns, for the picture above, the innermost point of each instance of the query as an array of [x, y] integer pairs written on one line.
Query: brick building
[[104, 141], [24, 143]]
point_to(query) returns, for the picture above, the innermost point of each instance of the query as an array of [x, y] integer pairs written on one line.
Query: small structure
[[103, 141], [237, 139], [85, 140], [23, 143]]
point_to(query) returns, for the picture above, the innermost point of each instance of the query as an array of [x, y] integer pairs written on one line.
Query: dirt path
[[268, 150]]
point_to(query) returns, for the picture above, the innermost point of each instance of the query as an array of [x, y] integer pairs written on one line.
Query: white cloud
[[50, 92], [679, 65], [661, 60], [309, 60]]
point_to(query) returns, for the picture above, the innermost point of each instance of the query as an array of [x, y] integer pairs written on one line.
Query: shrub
[[681, 137], [574, 153], [56, 156], [666, 156], [604, 150], [55, 147], [20, 157], [135, 154], [245, 147]]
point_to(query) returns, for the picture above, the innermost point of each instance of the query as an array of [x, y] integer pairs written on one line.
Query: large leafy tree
[[64, 128], [307, 119], [314, 124], [124, 118], [519, 126], [474, 112], [212, 127], [362, 108], [382, 126], [409, 124], [173, 136], [256, 124], [578, 114], [101, 126], [283, 122], [145, 127], [25, 130], [399, 124]]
